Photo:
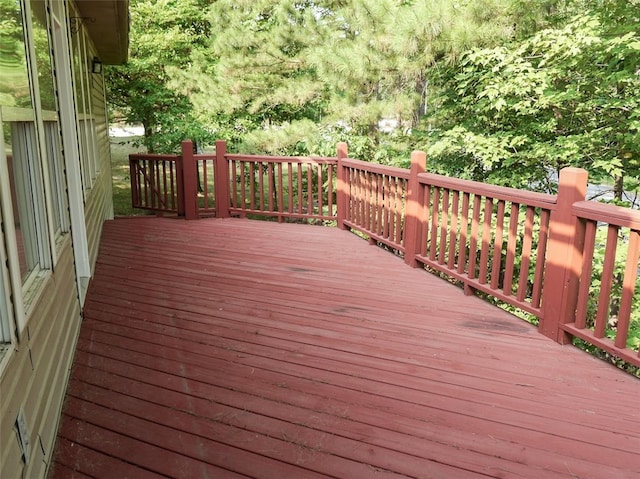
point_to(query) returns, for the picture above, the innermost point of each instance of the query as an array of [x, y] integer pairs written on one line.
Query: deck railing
[[376, 201], [155, 182], [533, 251], [609, 281], [490, 238]]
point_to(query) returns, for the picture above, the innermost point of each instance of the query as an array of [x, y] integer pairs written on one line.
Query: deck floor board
[[237, 348]]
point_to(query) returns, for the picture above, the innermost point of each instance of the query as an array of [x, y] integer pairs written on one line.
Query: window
[[53, 154], [57, 180], [22, 149], [25, 181], [86, 124]]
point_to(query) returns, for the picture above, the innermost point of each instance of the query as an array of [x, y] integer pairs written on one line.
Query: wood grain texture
[[238, 348]]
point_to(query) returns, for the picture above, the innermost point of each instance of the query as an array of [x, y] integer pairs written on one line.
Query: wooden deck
[[238, 348]]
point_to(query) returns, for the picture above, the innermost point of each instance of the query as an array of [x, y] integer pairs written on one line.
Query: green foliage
[[163, 35], [14, 81], [566, 96], [277, 74]]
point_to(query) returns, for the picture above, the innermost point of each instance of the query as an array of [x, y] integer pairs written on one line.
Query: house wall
[[36, 374], [43, 312], [99, 205]]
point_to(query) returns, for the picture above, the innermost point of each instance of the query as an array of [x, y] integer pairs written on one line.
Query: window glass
[[14, 79], [79, 72], [20, 143], [20, 140], [53, 146], [43, 55], [56, 177]]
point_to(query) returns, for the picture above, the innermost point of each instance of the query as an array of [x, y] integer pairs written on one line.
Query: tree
[[164, 33], [283, 76], [255, 76], [566, 96]]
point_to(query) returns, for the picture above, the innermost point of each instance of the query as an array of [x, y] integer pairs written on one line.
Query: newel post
[[413, 210], [221, 178], [189, 182], [342, 198], [564, 257]]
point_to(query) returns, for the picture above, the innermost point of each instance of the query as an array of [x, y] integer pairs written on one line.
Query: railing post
[[342, 198], [134, 177], [189, 181], [564, 257], [413, 209], [180, 184], [221, 179]]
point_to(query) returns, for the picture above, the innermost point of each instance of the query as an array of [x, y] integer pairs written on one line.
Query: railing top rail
[[283, 159], [153, 156], [611, 214], [375, 168], [523, 197], [205, 156]]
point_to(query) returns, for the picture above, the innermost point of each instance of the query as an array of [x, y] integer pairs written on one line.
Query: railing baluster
[[362, 198], [359, 197], [486, 239], [400, 211], [331, 193], [497, 246], [252, 185], [453, 233], [424, 235], [300, 188], [320, 188], [205, 184], [165, 195], [435, 213], [541, 259], [606, 281], [261, 184], [509, 266], [444, 225], [379, 206], [290, 187], [628, 289], [525, 261], [386, 205], [309, 189], [473, 241], [234, 183], [133, 179], [271, 189], [172, 186], [145, 183], [243, 184], [280, 193], [464, 228], [585, 278]]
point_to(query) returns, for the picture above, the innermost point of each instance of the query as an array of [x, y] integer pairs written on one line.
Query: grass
[[121, 148]]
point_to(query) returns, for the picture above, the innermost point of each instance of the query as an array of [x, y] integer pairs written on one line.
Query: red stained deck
[[237, 348]]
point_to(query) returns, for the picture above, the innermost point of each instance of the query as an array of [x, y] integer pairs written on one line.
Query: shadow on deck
[[237, 348]]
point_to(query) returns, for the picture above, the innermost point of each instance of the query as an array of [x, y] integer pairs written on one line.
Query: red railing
[[601, 312], [283, 187], [376, 201], [155, 183], [532, 251], [490, 238]]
